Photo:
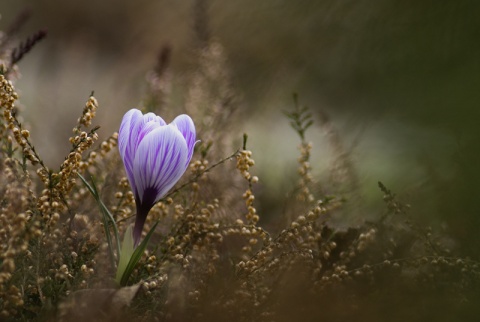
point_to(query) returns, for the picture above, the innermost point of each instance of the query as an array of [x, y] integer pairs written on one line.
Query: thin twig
[[198, 175]]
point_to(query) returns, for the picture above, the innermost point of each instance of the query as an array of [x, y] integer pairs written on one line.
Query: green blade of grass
[[107, 219], [137, 254]]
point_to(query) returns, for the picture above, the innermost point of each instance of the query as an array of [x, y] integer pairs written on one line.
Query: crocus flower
[[155, 155]]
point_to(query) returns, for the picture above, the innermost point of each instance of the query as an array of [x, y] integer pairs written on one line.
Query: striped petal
[[129, 119], [160, 161], [185, 125], [133, 129], [127, 152]]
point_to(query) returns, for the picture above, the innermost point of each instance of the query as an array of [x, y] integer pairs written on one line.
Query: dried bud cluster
[[89, 112], [198, 168], [8, 96], [244, 162], [30, 237], [304, 170], [58, 185], [105, 147]]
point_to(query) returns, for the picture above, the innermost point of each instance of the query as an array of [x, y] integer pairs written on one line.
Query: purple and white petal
[[160, 161], [139, 129], [129, 119], [185, 125], [133, 128], [127, 151]]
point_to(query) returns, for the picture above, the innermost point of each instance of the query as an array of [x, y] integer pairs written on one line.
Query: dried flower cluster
[[39, 252]]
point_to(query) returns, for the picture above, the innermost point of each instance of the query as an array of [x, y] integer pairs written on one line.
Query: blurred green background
[[399, 79]]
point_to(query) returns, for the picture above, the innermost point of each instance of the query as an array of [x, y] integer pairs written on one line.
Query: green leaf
[[307, 125], [135, 258], [126, 253], [107, 219], [305, 117], [245, 138]]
